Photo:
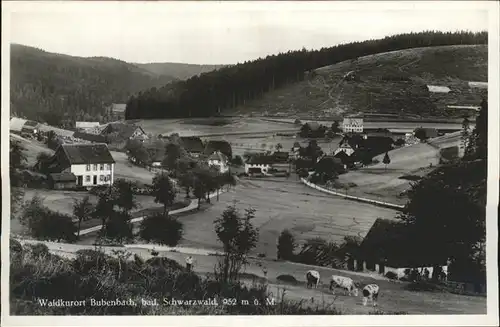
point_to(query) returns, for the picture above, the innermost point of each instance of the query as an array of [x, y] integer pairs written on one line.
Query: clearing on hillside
[[391, 83]]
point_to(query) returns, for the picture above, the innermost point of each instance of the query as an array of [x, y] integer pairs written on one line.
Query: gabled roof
[[78, 154], [261, 160], [192, 144], [218, 145], [281, 156], [123, 130], [90, 137]]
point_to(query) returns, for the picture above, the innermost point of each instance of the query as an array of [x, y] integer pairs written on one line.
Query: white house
[[92, 164], [86, 124], [344, 147], [351, 124], [259, 164], [219, 160]]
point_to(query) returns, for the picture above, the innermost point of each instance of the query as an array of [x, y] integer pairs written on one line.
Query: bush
[[286, 245], [96, 275], [287, 279], [391, 275], [424, 286], [162, 230]]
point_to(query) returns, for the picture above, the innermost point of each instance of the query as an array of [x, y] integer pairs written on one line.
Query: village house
[[62, 181], [83, 125], [259, 164], [346, 146], [295, 150], [117, 134], [220, 161], [91, 164], [352, 125], [193, 145]]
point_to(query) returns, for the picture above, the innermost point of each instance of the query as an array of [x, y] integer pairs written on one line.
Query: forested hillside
[[235, 86], [58, 88]]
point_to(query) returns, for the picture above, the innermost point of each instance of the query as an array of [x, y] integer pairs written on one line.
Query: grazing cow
[[345, 283], [370, 292], [312, 277]]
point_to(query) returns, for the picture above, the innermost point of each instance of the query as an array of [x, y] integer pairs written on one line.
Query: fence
[[354, 198]]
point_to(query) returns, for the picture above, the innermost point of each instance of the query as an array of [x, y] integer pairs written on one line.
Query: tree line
[[228, 87]]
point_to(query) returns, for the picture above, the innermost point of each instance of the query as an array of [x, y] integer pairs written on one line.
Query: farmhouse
[[120, 132], [425, 133], [219, 160], [222, 146], [92, 164], [295, 150], [86, 124], [352, 125], [347, 146], [193, 145], [259, 164]]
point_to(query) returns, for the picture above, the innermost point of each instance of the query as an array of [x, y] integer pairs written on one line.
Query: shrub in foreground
[[37, 278]]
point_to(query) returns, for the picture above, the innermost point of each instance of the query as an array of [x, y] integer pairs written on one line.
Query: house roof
[[87, 153], [16, 124], [381, 239], [123, 130], [429, 132], [385, 239], [63, 177], [218, 145], [438, 89], [192, 144], [218, 156], [31, 123], [481, 85], [281, 155], [261, 160], [90, 137]]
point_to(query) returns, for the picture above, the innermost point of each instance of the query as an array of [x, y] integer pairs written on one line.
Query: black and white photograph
[[331, 159]]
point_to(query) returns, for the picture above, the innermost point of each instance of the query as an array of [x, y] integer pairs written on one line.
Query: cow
[[312, 277], [345, 283], [370, 292]]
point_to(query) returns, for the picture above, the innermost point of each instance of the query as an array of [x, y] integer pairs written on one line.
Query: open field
[[378, 182], [284, 204], [393, 297], [200, 126], [324, 93], [126, 170]]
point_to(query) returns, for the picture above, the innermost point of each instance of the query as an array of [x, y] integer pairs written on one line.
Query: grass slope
[[324, 93], [177, 70]]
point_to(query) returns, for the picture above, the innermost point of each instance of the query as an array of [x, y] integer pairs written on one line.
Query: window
[[108, 178], [95, 166], [87, 178], [101, 178], [88, 167], [101, 167]]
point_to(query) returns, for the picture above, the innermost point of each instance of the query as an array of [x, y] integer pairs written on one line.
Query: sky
[[224, 32]]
